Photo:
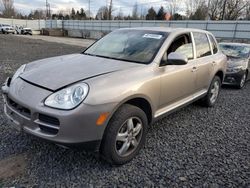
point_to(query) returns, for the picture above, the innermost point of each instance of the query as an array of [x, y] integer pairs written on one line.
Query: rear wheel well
[[144, 105], [220, 74]]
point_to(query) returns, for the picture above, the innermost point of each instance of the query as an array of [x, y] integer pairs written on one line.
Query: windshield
[[235, 50], [129, 45]]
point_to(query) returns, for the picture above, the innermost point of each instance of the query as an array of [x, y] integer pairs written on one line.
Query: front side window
[[182, 44], [202, 45], [139, 46]]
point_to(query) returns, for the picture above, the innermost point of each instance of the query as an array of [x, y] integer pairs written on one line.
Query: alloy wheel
[[129, 136], [215, 91], [242, 81]]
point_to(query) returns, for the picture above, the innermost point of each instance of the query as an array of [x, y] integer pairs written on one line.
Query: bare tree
[[135, 12], [120, 15], [110, 10], [193, 5], [214, 9], [227, 9], [173, 6], [8, 9], [200, 13], [234, 9], [247, 17], [102, 13]]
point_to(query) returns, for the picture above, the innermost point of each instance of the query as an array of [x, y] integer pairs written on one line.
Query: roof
[[235, 44], [166, 29]]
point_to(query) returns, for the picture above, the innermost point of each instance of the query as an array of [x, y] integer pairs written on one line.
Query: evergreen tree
[[161, 14], [151, 14]]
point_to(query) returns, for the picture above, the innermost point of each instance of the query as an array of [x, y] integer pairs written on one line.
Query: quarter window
[[214, 45], [202, 45]]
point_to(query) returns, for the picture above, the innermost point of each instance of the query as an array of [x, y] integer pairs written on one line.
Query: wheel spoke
[[130, 124], [123, 137], [124, 148], [134, 142], [213, 91], [137, 129]]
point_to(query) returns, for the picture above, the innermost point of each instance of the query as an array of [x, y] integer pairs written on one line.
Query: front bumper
[[9, 31], [27, 32], [233, 78], [23, 106]]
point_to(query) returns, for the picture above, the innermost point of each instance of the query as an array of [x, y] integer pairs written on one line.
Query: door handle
[[214, 63], [194, 69]]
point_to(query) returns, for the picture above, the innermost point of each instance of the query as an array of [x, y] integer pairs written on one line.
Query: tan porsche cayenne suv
[[106, 97]]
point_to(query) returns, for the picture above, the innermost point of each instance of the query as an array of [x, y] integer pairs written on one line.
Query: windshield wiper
[[89, 54], [119, 59]]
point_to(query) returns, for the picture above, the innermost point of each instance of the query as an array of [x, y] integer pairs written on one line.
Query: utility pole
[[110, 9], [208, 8], [89, 10], [46, 4], [48, 10]]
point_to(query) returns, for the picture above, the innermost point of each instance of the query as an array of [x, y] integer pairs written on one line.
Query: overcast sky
[[126, 6]]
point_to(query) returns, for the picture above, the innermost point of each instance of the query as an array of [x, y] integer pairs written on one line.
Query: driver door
[[178, 81]]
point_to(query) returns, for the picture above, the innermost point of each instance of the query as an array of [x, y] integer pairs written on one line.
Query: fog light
[[231, 79]]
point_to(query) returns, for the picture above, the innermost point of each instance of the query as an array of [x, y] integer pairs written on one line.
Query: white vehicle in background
[[6, 29], [2, 26], [23, 30]]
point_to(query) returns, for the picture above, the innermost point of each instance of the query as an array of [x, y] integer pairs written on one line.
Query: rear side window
[[202, 45], [214, 45]]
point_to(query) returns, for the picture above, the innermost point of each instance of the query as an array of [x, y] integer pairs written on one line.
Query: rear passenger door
[[204, 61]]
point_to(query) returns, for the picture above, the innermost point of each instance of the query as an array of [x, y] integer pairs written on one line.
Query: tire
[[242, 82], [114, 151], [213, 92]]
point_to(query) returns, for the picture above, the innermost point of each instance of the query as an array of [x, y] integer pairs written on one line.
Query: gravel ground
[[194, 147]]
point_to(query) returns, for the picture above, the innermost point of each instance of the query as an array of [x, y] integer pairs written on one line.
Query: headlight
[[69, 97], [18, 72], [235, 69]]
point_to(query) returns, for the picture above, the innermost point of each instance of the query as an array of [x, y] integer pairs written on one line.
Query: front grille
[[49, 120], [22, 110]]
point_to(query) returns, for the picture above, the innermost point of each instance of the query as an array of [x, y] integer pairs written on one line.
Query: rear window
[[202, 45]]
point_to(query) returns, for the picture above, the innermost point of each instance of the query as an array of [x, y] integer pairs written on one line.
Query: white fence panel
[[33, 24], [221, 29]]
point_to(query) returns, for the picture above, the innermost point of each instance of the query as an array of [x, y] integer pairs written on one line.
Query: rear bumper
[[23, 106]]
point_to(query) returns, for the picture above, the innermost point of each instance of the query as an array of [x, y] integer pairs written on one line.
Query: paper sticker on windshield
[[152, 36]]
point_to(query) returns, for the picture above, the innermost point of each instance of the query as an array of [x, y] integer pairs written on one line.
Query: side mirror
[[176, 58]]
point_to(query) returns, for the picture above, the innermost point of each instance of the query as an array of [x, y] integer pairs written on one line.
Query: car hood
[[235, 62], [55, 73]]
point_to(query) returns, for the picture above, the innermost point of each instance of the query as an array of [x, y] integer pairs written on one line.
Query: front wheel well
[[220, 74], [142, 104]]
